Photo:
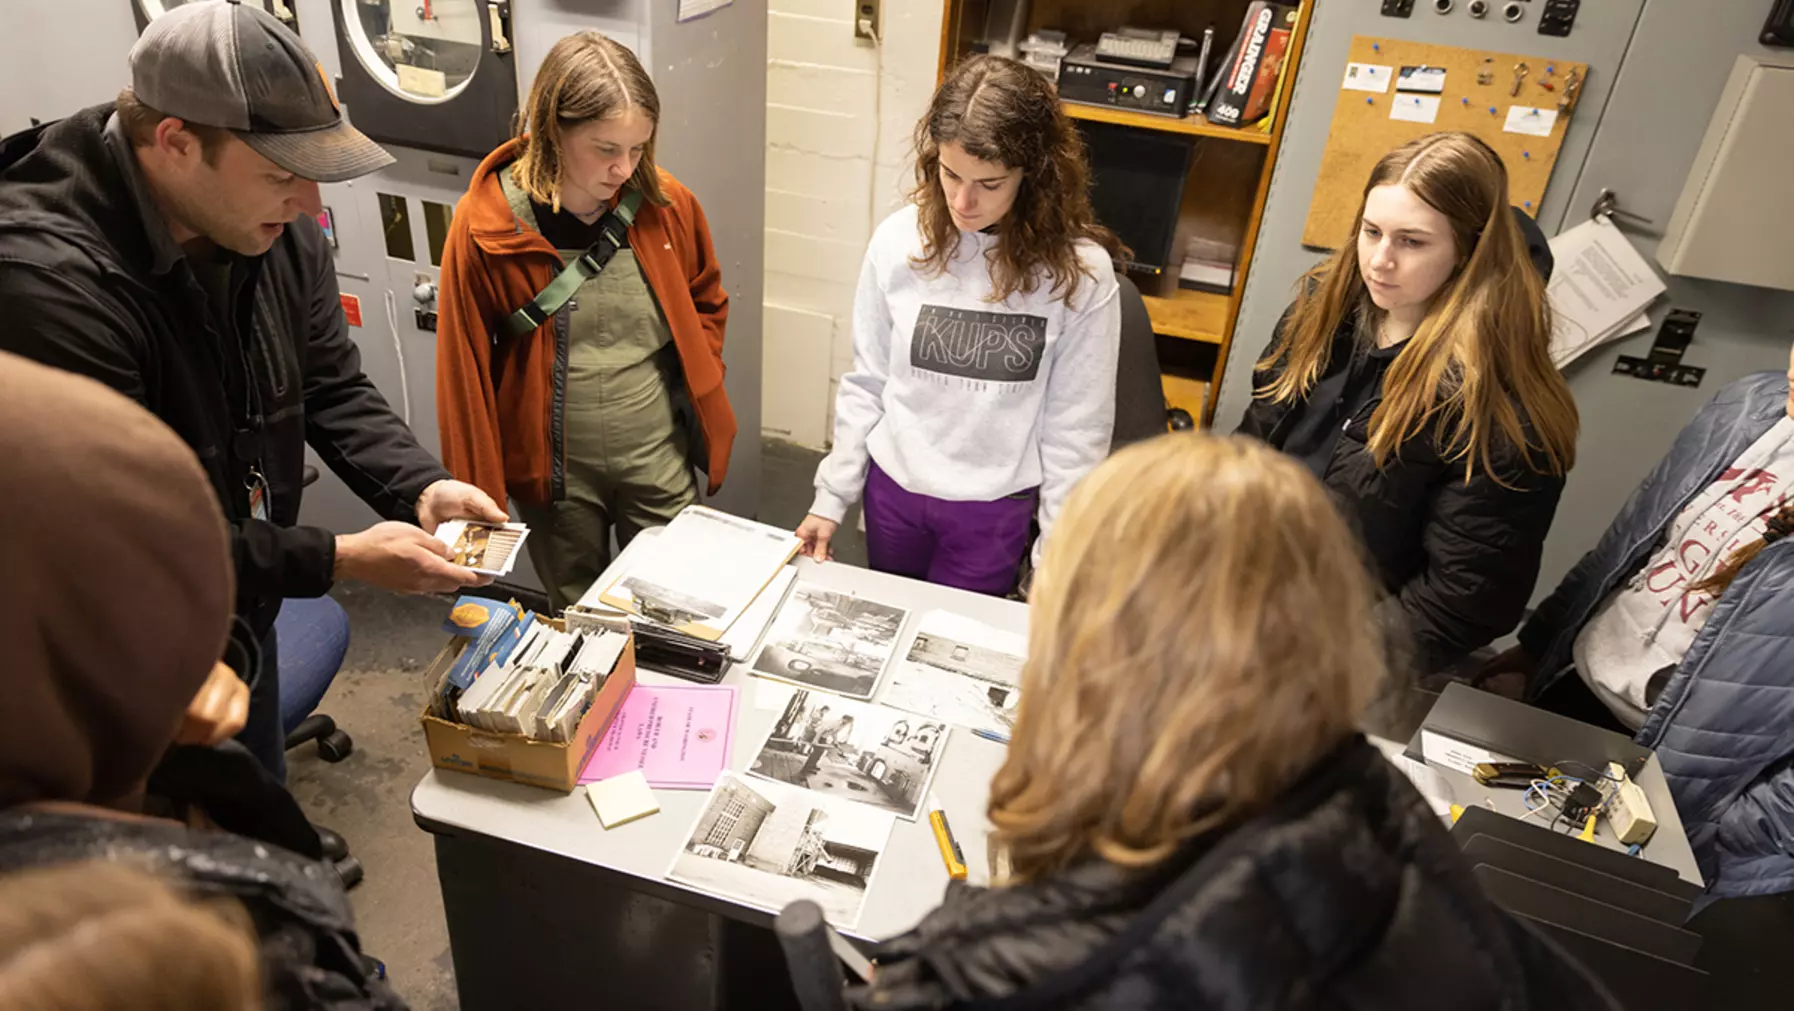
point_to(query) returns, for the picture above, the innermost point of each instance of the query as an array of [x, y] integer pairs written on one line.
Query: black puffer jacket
[[311, 959], [1347, 893], [1458, 557]]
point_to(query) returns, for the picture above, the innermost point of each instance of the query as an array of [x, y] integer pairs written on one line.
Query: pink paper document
[[678, 736]]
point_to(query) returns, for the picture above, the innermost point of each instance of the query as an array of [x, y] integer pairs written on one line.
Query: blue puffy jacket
[[1723, 726]]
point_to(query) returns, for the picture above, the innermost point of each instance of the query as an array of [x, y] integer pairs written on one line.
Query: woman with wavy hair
[[985, 336], [1187, 816], [1413, 376]]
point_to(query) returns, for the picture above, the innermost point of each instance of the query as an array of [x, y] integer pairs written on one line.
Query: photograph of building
[[768, 844]]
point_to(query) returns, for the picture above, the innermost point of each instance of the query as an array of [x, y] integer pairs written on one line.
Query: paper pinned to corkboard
[[1364, 128]]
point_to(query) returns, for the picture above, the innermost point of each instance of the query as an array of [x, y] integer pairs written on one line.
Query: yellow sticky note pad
[[622, 799]]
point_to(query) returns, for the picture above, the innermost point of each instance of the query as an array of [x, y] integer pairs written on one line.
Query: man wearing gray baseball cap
[[168, 245]]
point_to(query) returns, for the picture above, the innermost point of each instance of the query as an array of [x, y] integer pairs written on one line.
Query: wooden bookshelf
[[1226, 186], [1185, 393], [1194, 126]]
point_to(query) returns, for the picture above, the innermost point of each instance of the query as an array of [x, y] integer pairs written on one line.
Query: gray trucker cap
[[228, 64]]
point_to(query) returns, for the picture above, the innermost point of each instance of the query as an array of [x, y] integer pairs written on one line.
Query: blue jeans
[[265, 734]]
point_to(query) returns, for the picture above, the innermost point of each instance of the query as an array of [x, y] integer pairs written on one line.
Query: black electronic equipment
[[1139, 47], [1137, 187], [1085, 78], [1778, 29]]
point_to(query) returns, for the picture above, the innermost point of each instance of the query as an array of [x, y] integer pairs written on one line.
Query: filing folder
[[1618, 892], [1481, 821]]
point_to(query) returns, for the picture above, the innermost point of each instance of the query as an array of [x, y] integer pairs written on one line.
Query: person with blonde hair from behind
[[109, 937], [1413, 376], [1187, 817]]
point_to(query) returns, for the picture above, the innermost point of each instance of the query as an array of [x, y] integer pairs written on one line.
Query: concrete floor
[[376, 699]]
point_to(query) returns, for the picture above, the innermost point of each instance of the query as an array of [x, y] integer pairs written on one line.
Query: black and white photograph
[[665, 604], [834, 641], [961, 672], [768, 844], [855, 750]]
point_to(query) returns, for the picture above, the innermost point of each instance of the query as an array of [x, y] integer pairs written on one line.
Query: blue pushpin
[[1370, 101], [1526, 154], [1529, 205], [1376, 47], [1491, 110], [1550, 68], [1466, 101]]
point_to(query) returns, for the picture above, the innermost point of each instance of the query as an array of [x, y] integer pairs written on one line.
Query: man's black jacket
[[91, 282]]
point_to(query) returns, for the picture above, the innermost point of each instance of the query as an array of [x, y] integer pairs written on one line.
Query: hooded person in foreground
[[115, 609]]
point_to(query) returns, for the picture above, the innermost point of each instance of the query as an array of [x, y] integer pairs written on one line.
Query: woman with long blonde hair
[[1413, 376], [1187, 815], [588, 402]]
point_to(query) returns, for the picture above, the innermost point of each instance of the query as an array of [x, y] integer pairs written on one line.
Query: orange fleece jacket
[[494, 401]]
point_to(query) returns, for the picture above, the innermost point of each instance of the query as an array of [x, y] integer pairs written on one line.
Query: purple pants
[[973, 546]]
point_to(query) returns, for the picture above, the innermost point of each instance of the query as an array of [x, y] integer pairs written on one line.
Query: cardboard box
[[518, 758]]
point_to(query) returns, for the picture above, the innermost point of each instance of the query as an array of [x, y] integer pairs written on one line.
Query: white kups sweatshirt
[[961, 398]]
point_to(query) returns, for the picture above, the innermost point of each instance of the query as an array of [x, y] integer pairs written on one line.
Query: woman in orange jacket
[[593, 417]]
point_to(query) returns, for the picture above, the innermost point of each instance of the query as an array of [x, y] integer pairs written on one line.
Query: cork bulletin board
[[1440, 82]]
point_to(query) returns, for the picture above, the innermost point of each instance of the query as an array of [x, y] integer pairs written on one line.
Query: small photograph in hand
[[490, 549]]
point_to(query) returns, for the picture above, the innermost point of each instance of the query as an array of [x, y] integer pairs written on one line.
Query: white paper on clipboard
[[1599, 290]]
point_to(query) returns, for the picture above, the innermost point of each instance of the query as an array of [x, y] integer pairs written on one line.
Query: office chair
[[816, 975], [1140, 410]]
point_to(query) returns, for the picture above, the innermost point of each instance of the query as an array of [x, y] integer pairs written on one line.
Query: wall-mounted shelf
[[1191, 316], [1185, 393], [1194, 126], [1226, 183]]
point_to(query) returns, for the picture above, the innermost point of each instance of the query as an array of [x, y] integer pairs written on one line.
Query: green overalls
[[626, 456]]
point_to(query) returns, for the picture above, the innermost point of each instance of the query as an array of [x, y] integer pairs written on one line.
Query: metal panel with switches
[[1398, 8], [1558, 17]]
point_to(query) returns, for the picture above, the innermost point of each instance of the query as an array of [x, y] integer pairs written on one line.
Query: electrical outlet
[[867, 19]]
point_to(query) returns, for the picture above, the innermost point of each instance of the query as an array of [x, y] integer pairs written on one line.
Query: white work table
[[510, 825]]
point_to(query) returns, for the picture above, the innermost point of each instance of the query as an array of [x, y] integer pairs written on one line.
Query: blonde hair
[[1480, 366], [1201, 631], [585, 76], [103, 936]]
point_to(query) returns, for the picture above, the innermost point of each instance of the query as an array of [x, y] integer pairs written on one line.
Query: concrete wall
[[48, 76], [1657, 69], [839, 113]]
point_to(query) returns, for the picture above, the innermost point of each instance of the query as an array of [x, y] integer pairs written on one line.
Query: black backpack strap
[[612, 231]]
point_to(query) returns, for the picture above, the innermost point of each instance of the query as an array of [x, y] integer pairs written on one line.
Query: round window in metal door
[[149, 10], [423, 51]]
